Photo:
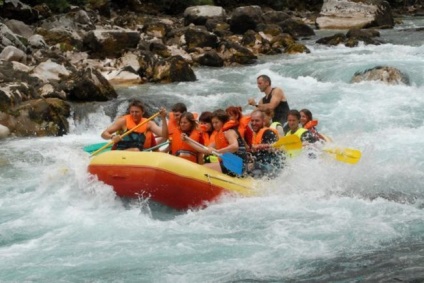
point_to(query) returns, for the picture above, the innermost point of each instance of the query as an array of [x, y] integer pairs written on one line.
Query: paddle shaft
[[202, 146], [126, 133], [230, 161], [156, 146]]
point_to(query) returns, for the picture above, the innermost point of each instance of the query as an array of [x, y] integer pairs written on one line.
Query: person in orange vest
[[205, 121], [309, 123], [187, 125], [267, 160], [242, 123], [140, 138], [227, 139], [174, 116]]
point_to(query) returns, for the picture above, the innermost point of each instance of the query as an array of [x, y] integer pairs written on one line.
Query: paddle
[[125, 134], [291, 142], [93, 147], [156, 146], [231, 161], [347, 155]]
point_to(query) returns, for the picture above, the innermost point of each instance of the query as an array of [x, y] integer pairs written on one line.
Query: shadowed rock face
[[39, 117]]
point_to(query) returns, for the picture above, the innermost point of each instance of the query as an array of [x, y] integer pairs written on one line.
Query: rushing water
[[320, 221]]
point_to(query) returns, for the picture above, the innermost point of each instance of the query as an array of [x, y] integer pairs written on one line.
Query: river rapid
[[320, 221]]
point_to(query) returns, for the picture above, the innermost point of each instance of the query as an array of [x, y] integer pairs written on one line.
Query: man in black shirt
[[274, 99]]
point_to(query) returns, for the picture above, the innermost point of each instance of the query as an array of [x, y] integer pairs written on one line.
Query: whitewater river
[[320, 221]]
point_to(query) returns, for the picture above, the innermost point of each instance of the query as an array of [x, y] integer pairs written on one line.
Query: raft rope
[[217, 178]]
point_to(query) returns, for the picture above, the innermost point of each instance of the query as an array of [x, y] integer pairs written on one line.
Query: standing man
[[274, 99]]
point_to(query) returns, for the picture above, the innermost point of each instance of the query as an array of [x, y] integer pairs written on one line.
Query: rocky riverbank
[[48, 60]]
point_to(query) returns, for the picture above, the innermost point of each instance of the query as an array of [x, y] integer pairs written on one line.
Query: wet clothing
[[140, 138], [303, 134], [281, 111], [310, 126], [267, 162]]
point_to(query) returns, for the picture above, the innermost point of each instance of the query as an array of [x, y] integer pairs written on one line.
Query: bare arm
[[119, 124], [160, 131], [231, 137], [277, 97]]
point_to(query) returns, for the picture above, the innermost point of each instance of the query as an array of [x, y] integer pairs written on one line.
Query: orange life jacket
[[220, 140], [311, 124], [257, 139], [208, 137], [134, 139], [173, 123], [311, 127], [183, 149]]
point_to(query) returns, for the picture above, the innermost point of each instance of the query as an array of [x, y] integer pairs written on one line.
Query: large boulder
[[39, 117], [211, 59], [173, 69], [11, 53], [245, 18], [8, 37], [19, 28], [88, 85], [198, 15], [346, 14], [386, 74], [198, 37], [296, 28], [110, 43], [14, 9]]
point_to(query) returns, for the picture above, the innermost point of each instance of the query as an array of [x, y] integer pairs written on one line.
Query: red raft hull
[[164, 178]]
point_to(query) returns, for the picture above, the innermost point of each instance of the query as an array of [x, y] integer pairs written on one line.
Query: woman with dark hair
[[241, 123], [309, 123], [205, 121], [227, 139], [187, 125]]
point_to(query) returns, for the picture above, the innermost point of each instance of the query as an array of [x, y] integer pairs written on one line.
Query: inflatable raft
[[164, 178]]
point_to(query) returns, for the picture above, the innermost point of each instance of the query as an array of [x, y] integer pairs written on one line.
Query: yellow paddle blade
[[291, 142], [347, 155]]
